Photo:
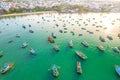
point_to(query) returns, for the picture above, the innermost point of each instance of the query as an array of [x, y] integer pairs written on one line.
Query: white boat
[[25, 44], [56, 47], [84, 43], [70, 43], [81, 55]]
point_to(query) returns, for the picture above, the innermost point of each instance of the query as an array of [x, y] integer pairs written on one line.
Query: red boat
[[50, 40]]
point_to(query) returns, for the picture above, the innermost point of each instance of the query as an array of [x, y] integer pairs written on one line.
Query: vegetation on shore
[[59, 8]]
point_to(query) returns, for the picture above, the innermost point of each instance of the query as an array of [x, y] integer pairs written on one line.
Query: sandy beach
[[20, 14]]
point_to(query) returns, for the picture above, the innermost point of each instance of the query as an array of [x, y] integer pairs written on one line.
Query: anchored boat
[[24, 45], [56, 47], [116, 49], [117, 69], [102, 38], [70, 43], [81, 55], [79, 68], [110, 37], [100, 47], [84, 43], [7, 67], [53, 35], [50, 40], [32, 51], [55, 71]]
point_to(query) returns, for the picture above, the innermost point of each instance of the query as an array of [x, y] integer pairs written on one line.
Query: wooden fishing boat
[[79, 68], [7, 67], [55, 71], [100, 47], [50, 40], [81, 55]]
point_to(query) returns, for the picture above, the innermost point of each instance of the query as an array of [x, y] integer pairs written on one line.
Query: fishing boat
[[56, 47], [116, 49], [100, 47], [7, 67], [32, 51], [110, 37], [117, 69], [70, 43], [31, 31], [79, 68], [84, 43], [50, 40], [24, 45], [81, 55], [53, 35], [55, 71], [102, 38]]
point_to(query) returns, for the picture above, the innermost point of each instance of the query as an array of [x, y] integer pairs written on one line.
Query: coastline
[[20, 14]]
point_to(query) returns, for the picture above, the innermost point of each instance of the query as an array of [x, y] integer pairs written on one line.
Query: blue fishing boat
[[81, 55], [70, 43], [55, 71], [102, 38], [84, 43], [53, 35], [32, 51], [117, 69], [116, 49]]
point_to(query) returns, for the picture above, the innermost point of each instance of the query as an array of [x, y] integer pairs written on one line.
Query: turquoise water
[[98, 66]]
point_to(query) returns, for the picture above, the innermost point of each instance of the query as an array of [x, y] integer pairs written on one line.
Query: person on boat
[[32, 51]]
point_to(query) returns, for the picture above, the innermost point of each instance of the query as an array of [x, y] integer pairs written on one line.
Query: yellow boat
[[7, 67], [100, 47], [79, 68]]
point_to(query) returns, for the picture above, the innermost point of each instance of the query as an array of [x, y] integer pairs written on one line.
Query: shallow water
[[98, 66]]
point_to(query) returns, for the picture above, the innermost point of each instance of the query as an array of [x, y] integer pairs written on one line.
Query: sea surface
[[76, 27]]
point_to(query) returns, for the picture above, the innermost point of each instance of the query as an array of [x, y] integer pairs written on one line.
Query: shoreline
[[42, 12], [20, 14]]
